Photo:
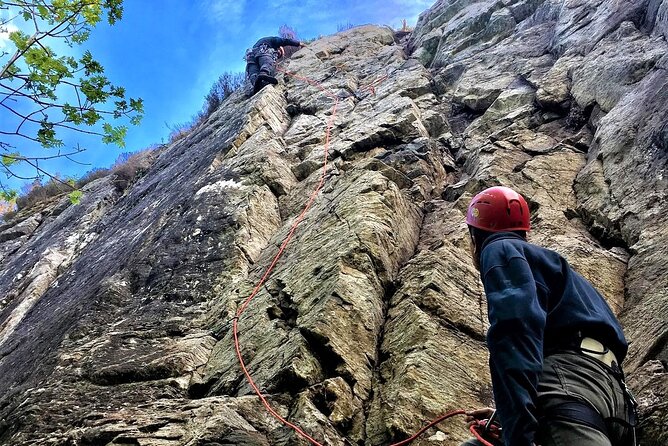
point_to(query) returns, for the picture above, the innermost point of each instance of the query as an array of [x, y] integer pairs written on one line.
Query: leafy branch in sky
[[45, 94]]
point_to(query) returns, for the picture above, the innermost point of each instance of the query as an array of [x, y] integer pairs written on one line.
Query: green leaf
[[75, 196], [11, 72], [118, 92], [137, 105], [11, 158], [43, 12], [93, 88], [120, 107], [91, 66], [92, 13], [115, 10], [8, 195], [20, 39], [71, 114], [46, 76], [91, 116], [72, 62], [114, 135], [80, 37], [46, 135]]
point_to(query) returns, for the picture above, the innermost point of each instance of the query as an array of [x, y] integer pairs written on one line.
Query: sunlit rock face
[[116, 314]]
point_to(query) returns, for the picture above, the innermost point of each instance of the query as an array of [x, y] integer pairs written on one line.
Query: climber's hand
[[479, 414]]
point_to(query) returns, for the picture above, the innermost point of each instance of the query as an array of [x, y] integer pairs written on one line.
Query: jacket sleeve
[[515, 341], [280, 41]]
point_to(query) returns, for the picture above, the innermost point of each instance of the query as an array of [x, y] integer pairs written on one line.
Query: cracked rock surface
[[116, 315]]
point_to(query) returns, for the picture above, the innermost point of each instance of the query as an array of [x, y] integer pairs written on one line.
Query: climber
[[261, 61], [555, 346]]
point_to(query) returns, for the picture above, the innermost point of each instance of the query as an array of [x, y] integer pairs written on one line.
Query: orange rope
[[372, 86], [278, 255], [433, 423], [244, 305], [475, 428]]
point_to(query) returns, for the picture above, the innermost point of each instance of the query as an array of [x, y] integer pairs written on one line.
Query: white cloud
[[228, 12], [5, 30]]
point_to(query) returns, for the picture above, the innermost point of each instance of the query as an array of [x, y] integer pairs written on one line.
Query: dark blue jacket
[[536, 302], [275, 42]]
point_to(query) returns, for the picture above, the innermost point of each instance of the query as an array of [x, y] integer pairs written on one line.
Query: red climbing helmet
[[499, 209]]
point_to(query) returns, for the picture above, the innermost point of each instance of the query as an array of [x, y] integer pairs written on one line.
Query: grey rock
[[116, 315]]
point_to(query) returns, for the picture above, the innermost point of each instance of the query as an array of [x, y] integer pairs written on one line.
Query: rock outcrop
[[116, 314]]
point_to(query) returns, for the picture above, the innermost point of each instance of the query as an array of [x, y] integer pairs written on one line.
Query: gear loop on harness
[[252, 53]]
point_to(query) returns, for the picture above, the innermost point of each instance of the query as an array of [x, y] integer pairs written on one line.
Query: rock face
[[116, 315]]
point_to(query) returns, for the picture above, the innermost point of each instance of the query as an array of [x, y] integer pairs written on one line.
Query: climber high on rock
[[261, 61], [555, 345]]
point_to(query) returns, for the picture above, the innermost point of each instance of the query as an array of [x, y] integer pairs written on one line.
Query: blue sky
[[170, 52]]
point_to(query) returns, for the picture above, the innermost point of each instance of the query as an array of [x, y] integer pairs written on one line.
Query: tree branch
[[12, 174], [46, 105], [19, 134], [44, 158], [13, 90], [33, 39], [53, 178]]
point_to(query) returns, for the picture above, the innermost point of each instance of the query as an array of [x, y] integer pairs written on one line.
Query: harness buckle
[[595, 349]]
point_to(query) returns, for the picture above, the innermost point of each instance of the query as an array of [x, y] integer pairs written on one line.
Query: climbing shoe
[[263, 80]]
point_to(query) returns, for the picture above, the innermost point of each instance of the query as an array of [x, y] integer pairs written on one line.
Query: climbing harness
[[582, 412], [264, 49], [475, 428]]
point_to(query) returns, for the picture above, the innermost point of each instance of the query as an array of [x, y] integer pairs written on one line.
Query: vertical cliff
[[116, 314]]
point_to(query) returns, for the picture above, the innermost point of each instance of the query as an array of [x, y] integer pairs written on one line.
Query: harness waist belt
[[593, 348]]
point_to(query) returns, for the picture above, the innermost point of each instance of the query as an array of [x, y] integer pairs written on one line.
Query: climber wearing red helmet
[[555, 346]]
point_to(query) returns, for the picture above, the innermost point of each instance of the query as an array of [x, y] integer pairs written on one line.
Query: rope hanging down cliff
[[293, 228], [278, 255]]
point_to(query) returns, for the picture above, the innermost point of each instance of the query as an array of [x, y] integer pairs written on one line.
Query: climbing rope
[[431, 424], [298, 220], [371, 87]]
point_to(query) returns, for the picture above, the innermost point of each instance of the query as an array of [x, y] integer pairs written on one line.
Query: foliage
[[226, 84], [180, 131], [8, 196], [75, 196], [123, 157], [92, 175], [7, 203], [40, 192], [344, 27], [287, 32], [135, 167], [126, 170], [48, 94], [7, 211]]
